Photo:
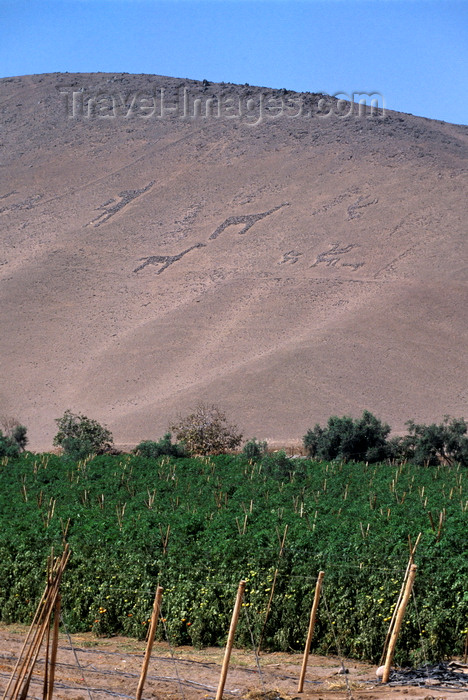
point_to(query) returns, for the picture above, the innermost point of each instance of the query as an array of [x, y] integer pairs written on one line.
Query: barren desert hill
[[169, 241]]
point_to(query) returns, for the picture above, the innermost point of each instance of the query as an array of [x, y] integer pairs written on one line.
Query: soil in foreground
[[90, 668]]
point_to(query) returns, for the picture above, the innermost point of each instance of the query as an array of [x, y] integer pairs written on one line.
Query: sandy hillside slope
[[165, 241]]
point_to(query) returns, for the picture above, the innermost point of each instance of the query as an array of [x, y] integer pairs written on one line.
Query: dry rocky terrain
[[166, 242]]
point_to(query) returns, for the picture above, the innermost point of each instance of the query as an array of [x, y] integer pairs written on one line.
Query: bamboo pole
[[149, 645], [45, 687], [53, 656], [272, 592], [310, 633], [230, 640], [398, 622]]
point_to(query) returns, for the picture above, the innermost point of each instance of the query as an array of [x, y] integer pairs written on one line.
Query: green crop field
[[197, 526]]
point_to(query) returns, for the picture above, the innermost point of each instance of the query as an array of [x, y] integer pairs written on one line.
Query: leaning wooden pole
[[45, 687], [149, 645], [53, 656], [402, 590], [310, 634], [398, 621], [230, 640]]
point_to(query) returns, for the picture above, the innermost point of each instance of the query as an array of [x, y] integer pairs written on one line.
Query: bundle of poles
[[40, 629]]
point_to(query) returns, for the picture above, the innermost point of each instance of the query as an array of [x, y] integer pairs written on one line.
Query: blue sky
[[414, 52]]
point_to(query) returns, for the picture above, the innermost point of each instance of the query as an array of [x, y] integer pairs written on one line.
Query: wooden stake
[[392, 621], [149, 646], [230, 640], [53, 656], [164, 538], [310, 634], [398, 622], [441, 522], [275, 576], [45, 687]]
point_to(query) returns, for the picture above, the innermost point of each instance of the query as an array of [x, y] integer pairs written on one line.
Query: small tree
[[8, 447], [206, 431], [435, 444], [254, 450], [81, 436], [14, 431], [361, 440]]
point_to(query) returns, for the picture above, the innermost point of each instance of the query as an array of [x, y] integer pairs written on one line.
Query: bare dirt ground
[[96, 668]]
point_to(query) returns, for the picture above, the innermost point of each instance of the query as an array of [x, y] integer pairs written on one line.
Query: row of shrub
[[206, 431], [366, 439]]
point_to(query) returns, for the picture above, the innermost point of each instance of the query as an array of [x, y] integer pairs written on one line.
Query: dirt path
[[90, 668]]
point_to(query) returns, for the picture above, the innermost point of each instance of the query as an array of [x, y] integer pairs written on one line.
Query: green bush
[[446, 443], [254, 450], [19, 436], [13, 433], [8, 446], [360, 440], [278, 464], [165, 446], [80, 436]]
